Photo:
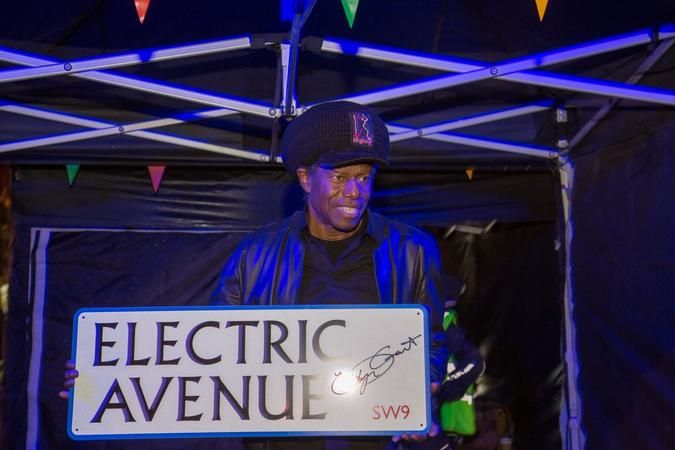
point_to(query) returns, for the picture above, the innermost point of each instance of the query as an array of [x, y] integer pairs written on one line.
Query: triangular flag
[[469, 173], [71, 170], [350, 7], [541, 8], [142, 8], [156, 174]]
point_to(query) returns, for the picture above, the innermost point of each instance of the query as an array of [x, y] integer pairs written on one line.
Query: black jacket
[[266, 269]]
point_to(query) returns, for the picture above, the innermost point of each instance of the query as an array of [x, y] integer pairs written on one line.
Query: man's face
[[336, 198]]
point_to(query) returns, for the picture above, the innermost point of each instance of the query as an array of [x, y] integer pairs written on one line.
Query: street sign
[[250, 371]]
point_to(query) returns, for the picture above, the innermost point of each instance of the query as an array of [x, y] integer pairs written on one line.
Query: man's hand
[[434, 430], [69, 377]]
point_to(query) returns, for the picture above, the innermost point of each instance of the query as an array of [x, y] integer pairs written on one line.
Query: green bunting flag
[[71, 170], [350, 7]]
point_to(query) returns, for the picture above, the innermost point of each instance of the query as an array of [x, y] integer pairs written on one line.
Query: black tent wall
[[623, 256], [511, 306]]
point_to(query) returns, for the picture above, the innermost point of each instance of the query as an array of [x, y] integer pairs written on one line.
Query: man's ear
[[304, 179]]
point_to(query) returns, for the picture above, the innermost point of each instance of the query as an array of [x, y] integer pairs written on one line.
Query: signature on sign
[[370, 369]]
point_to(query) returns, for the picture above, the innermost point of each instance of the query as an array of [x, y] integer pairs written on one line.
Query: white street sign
[[250, 371]]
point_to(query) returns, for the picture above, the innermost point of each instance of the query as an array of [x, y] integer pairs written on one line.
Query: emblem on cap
[[362, 129]]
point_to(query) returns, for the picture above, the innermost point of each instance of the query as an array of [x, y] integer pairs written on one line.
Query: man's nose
[[352, 189]]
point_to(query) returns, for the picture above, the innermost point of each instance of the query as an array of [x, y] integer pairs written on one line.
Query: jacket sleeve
[[230, 281], [429, 292], [468, 364]]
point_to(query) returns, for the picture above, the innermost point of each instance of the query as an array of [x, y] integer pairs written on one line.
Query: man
[[335, 251]]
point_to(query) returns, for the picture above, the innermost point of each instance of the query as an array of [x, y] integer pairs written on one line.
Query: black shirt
[[339, 272]]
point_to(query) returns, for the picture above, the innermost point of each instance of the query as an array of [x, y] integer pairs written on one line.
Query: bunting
[[541, 8], [142, 8], [469, 173], [156, 175], [350, 7], [72, 170]]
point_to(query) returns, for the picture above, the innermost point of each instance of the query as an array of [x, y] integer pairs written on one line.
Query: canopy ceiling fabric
[[487, 32]]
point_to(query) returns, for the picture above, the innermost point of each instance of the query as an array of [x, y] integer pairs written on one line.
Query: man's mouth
[[348, 211]]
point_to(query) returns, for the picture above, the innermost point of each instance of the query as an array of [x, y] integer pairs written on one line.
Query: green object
[[350, 7], [71, 170], [458, 416], [449, 318]]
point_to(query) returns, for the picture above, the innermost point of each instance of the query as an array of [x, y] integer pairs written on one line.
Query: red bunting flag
[[156, 175], [350, 7], [141, 8], [541, 8], [71, 170]]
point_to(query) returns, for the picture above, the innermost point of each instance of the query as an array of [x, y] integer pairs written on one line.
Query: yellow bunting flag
[[141, 8], [469, 173], [71, 170], [350, 7], [156, 175], [541, 8]]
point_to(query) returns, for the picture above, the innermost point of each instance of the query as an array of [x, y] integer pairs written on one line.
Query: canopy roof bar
[[102, 128], [126, 59], [490, 144], [606, 108], [431, 61], [402, 57], [470, 121], [579, 84], [606, 88], [130, 82], [501, 146], [511, 70]]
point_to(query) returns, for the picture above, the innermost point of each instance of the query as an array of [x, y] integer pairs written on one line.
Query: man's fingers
[[70, 364], [71, 374], [434, 431], [64, 394]]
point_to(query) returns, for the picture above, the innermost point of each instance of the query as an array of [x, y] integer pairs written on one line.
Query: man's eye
[[365, 178], [338, 177]]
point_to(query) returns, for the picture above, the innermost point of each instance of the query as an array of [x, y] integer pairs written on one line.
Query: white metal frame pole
[[148, 86], [101, 128], [501, 146], [470, 121], [516, 70], [573, 433], [127, 59]]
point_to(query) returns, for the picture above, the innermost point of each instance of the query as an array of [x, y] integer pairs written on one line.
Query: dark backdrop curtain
[[624, 282], [511, 306]]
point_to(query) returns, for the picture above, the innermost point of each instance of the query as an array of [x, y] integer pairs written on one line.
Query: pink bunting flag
[[141, 8], [156, 175]]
